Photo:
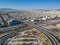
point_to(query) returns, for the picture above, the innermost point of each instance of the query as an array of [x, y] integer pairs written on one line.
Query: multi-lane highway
[[52, 38], [12, 33], [40, 28], [3, 40], [54, 41]]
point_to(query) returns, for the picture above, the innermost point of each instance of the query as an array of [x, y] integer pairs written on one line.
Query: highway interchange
[[18, 29]]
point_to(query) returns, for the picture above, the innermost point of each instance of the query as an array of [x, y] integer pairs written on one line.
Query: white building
[[43, 18]]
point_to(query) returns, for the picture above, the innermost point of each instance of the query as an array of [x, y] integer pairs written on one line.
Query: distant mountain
[[42, 10], [4, 9], [10, 9], [47, 9], [58, 10]]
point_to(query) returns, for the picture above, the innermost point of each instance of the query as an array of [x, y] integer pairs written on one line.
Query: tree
[[24, 44], [18, 44]]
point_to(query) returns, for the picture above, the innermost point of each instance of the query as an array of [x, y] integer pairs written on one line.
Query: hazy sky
[[30, 4]]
